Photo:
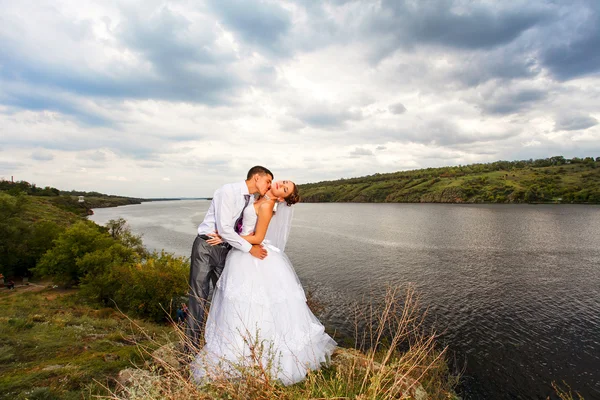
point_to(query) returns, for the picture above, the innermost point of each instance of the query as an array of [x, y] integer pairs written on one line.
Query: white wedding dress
[[259, 315]]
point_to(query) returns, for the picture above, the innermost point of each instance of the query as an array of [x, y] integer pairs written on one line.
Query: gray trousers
[[207, 264]]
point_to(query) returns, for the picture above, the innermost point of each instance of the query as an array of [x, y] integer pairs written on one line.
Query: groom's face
[[263, 183]]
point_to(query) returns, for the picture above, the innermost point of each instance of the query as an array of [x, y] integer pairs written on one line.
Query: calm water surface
[[515, 288]]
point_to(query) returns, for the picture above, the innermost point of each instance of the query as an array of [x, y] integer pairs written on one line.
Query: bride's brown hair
[[293, 197]]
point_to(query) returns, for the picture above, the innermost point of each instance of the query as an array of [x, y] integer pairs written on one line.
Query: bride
[[259, 316]]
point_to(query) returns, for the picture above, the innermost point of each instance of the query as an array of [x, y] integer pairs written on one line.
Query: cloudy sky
[[174, 98]]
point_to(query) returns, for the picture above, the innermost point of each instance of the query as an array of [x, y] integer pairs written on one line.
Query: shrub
[[147, 288], [62, 261]]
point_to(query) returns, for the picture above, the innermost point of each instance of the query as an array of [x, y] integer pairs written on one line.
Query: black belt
[[224, 244]]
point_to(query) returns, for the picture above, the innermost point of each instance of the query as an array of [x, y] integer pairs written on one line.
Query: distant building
[[81, 199]]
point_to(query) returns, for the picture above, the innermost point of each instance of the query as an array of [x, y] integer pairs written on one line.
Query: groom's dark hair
[[258, 170]]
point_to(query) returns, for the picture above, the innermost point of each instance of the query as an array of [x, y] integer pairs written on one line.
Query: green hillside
[[551, 180], [65, 200], [31, 218]]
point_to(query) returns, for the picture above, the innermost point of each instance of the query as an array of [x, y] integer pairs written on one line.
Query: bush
[[100, 282], [147, 288], [62, 262]]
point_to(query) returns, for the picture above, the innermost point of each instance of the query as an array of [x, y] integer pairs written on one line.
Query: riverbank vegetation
[[394, 358], [55, 345], [549, 180]]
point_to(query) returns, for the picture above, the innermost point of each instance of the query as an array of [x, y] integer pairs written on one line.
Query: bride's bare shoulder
[[265, 207]]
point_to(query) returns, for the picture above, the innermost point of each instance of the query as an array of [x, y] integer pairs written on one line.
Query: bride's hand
[[216, 239]]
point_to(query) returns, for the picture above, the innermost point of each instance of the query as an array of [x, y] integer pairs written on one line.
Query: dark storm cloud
[[397, 108], [443, 132], [438, 132], [42, 156], [474, 27], [8, 167], [185, 60], [98, 155], [259, 23], [215, 162], [136, 146], [185, 66], [574, 122], [30, 99], [181, 83], [511, 101], [503, 64], [328, 117], [360, 152], [577, 52]]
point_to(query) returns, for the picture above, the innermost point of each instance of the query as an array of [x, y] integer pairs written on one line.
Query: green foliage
[[67, 201], [114, 269], [43, 235], [24, 187], [147, 288], [22, 241], [63, 262], [119, 230], [554, 179], [144, 288], [72, 204]]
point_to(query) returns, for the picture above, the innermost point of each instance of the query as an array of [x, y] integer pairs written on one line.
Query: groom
[[225, 217]]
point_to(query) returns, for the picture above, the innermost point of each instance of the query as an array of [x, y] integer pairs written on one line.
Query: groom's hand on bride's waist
[[258, 251]]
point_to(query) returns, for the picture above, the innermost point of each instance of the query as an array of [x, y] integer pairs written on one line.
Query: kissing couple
[[258, 314]]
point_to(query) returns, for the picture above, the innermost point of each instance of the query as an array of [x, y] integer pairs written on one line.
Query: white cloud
[[163, 99]]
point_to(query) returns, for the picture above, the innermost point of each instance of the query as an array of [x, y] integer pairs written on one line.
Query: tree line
[[33, 190], [554, 179]]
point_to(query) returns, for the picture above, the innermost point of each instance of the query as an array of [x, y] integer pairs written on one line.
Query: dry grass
[[565, 393], [395, 359]]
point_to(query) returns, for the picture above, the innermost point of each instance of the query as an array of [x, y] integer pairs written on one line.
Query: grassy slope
[[72, 204], [51, 346], [45, 209], [65, 209], [434, 185]]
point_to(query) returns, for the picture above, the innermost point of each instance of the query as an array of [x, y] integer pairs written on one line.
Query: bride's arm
[[265, 213]]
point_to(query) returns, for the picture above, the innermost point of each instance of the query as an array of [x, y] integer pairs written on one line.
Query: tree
[[101, 279], [61, 261], [119, 230]]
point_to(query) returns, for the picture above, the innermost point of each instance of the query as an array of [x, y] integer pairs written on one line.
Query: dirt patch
[[31, 287], [53, 293]]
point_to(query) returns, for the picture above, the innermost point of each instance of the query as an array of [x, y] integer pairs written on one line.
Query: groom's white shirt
[[225, 208]]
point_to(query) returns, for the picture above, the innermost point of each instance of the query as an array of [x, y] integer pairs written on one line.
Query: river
[[513, 289]]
